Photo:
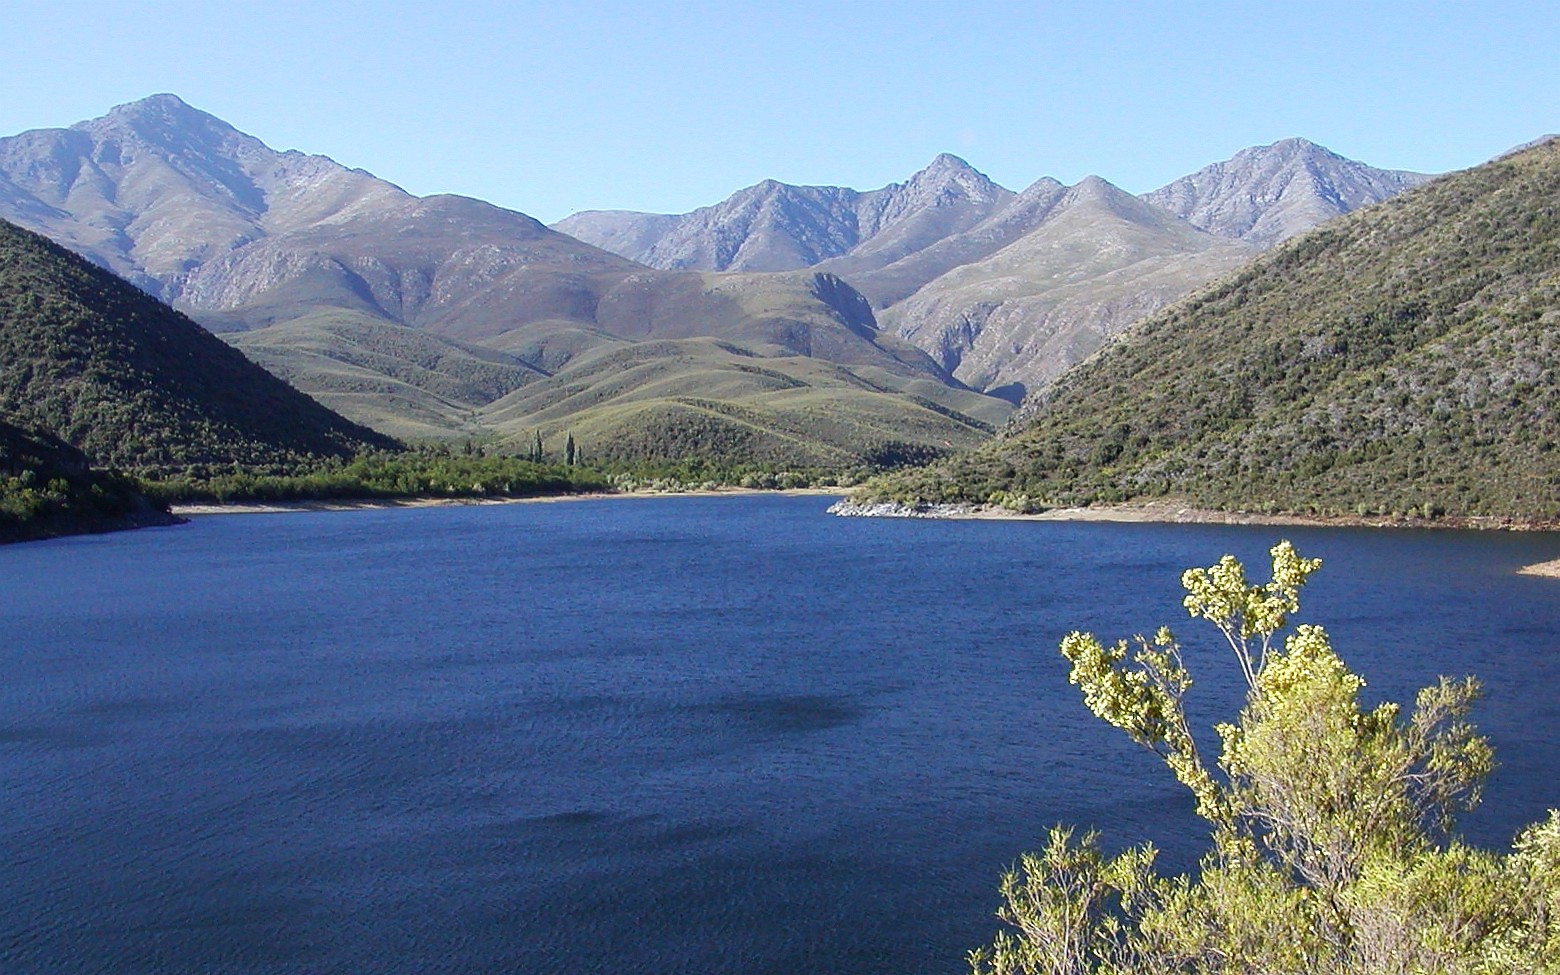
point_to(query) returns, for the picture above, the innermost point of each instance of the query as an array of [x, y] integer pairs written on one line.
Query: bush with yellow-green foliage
[[1333, 850]]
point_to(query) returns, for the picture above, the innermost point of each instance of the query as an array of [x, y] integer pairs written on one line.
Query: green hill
[[669, 400], [403, 381], [134, 384], [1400, 359]]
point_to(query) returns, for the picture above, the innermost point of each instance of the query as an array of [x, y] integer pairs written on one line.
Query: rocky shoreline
[[1171, 511]]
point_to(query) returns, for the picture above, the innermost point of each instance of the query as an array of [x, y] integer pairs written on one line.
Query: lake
[[683, 735]]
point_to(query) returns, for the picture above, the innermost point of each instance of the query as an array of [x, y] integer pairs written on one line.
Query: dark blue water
[[640, 736]]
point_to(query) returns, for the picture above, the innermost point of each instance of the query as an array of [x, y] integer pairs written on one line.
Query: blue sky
[[550, 108]]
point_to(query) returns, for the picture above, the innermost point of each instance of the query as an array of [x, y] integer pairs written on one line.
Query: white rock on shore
[[846, 508]]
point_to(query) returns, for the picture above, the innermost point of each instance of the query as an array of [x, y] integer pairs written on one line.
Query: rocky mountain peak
[[1265, 194], [1097, 193], [164, 122], [948, 177], [164, 105]]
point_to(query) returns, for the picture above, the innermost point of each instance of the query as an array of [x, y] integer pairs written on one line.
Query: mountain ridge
[[1267, 194], [775, 226], [945, 276], [919, 279]]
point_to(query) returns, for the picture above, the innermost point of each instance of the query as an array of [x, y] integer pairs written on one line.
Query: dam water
[[685, 735]]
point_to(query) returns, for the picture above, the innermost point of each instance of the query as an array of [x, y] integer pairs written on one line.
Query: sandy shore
[[275, 507], [1550, 570]]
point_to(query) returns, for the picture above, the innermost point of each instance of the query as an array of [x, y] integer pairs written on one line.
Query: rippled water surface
[[712, 735]]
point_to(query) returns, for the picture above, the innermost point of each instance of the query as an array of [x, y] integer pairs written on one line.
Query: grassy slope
[[667, 400], [1400, 358], [399, 380], [134, 384]]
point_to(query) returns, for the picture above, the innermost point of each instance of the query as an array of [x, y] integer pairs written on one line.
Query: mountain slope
[[401, 380], [1092, 261], [1267, 194], [133, 384], [1402, 358], [155, 188], [1006, 291]]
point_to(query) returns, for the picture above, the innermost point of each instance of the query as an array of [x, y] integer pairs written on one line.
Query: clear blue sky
[[552, 107]]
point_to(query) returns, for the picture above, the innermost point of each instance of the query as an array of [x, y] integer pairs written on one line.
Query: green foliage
[[1400, 360], [1333, 851], [427, 472], [47, 488], [134, 384]]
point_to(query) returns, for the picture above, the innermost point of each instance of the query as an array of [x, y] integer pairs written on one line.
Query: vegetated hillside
[[420, 316], [401, 380], [134, 384], [48, 488], [700, 397], [1400, 359]]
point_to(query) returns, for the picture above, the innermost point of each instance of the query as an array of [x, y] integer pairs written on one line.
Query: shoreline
[[1547, 570], [1172, 512], [371, 504]]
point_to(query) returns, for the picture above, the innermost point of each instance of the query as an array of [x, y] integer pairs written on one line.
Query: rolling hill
[[1401, 359]]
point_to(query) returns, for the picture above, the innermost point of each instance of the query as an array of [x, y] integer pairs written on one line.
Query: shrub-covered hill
[[136, 385], [1402, 358], [48, 488]]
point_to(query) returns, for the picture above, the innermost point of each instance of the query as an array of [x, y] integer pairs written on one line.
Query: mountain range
[[426, 316], [1007, 290], [1400, 360], [802, 325]]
